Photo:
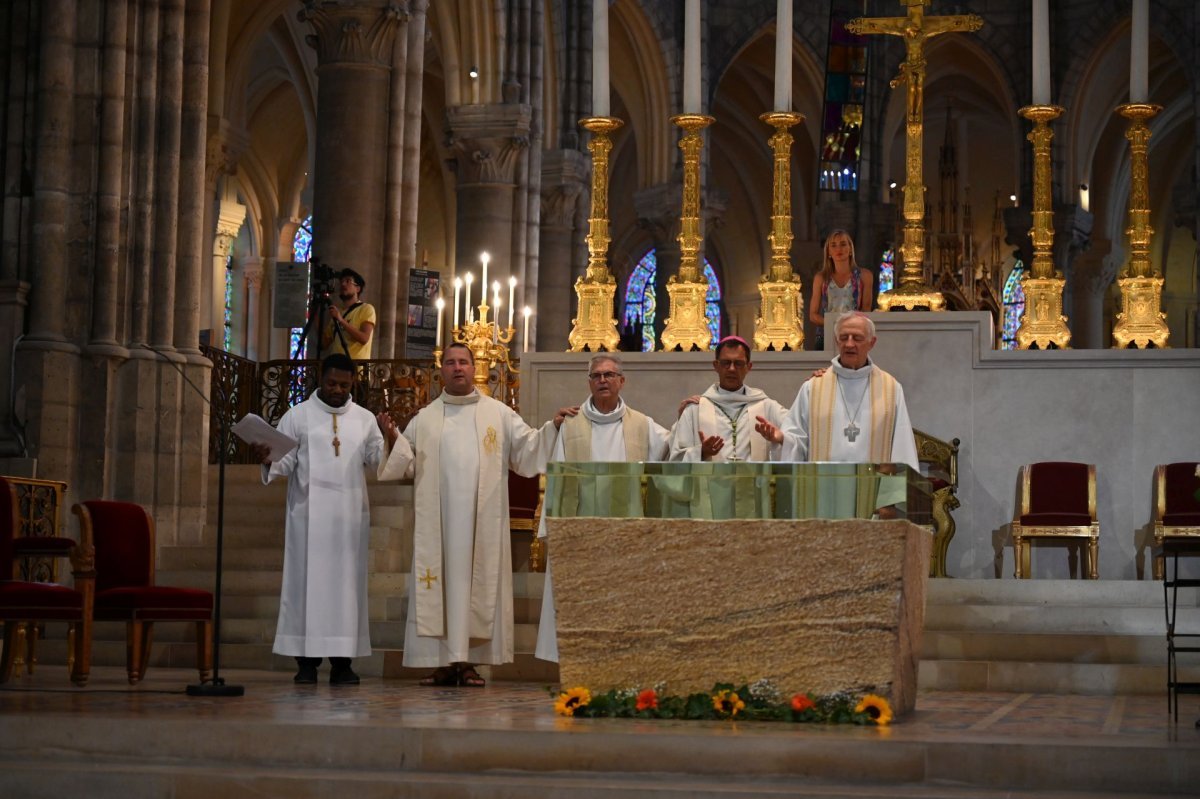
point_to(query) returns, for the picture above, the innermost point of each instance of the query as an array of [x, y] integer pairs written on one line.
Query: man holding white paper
[[323, 603]]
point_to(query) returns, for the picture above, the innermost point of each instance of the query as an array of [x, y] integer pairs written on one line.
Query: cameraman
[[355, 320]]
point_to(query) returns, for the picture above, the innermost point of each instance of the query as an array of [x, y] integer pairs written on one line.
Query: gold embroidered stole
[[577, 448], [881, 388]]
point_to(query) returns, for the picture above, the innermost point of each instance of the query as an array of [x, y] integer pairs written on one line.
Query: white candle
[[512, 287], [496, 296], [468, 313], [691, 57], [457, 292], [483, 256], [526, 312], [783, 56], [1139, 53], [1041, 52], [600, 90], [441, 304]]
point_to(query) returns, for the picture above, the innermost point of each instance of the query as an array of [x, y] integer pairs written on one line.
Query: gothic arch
[[639, 76]]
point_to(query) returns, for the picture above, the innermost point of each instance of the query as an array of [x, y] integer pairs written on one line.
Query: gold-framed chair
[[1058, 502], [1176, 508], [941, 461]]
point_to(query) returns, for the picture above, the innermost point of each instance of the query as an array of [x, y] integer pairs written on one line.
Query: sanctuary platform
[[393, 738]]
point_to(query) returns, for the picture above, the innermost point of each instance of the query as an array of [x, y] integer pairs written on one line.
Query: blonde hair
[[827, 261]]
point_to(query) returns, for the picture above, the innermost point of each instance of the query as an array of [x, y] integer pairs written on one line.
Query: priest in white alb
[[602, 430], [323, 601], [852, 412], [459, 449]]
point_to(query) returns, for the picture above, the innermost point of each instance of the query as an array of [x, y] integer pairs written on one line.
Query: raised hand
[[387, 426], [710, 445], [768, 431]]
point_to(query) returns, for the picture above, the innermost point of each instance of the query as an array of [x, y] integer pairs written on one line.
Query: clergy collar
[[846, 373], [323, 405], [588, 409], [465, 399]]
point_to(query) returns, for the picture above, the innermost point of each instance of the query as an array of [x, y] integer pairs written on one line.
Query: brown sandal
[[444, 675], [470, 678]]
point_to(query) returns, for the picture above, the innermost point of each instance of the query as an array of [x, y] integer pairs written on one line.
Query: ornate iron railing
[[400, 387]]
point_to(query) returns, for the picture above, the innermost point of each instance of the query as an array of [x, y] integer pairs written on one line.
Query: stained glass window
[[887, 270], [228, 302], [1014, 306], [301, 253], [640, 305]]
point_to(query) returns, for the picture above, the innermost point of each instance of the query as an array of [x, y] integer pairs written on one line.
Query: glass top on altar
[[737, 490]]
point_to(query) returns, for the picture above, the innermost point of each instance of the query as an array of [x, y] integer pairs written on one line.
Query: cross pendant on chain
[[851, 431]]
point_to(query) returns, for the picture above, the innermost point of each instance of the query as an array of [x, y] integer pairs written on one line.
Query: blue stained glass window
[[228, 303], [640, 304], [887, 270], [301, 253], [1014, 306]]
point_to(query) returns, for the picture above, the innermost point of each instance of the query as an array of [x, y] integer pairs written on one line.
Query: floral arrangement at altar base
[[759, 701]]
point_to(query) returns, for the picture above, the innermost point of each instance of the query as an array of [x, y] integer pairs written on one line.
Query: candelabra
[[594, 327], [488, 344], [1043, 324], [781, 323], [686, 325], [1141, 321]]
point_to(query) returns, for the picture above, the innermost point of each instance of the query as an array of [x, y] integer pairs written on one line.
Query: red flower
[[801, 703], [647, 700]]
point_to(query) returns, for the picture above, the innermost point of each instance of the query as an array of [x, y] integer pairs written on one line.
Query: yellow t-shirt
[[357, 316]]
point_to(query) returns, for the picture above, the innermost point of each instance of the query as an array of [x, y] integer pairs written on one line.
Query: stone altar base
[[814, 606]]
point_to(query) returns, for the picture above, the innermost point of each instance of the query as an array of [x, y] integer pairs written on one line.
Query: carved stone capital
[[224, 148], [486, 141], [353, 31], [252, 272], [659, 207]]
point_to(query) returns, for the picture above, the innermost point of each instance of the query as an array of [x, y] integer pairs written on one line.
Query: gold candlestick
[[781, 322], [1043, 324], [686, 325], [1141, 321], [594, 327]]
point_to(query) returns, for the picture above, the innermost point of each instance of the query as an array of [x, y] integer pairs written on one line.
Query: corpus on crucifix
[[914, 28]]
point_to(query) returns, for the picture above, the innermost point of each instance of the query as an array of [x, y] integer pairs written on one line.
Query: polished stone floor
[[993, 741]]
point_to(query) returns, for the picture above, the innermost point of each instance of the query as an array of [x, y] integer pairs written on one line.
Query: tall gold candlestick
[[686, 325], [1043, 323], [781, 321], [1141, 321], [594, 327]]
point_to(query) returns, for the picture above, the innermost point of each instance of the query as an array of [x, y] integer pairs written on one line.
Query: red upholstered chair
[[1058, 501], [524, 512], [1176, 509], [24, 602], [123, 533]]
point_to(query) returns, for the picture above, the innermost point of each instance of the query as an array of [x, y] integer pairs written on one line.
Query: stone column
[[167, 175], [252, 273], [229, 221], [1088, 281], [658, 209], [414, 80], [353, 40], [486, 141], [564, 177]]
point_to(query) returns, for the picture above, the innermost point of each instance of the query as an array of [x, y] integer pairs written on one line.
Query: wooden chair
[[123, 533], [24, 602], [1176, 509], [941, 459], [525, 512], [1058, 502]]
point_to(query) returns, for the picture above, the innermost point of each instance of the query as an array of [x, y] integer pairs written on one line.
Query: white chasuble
[[623, 435], [323, 602], [459, 451]]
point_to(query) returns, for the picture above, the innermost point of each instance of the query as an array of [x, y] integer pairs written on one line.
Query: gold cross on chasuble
[[337, 445], [429, 578]]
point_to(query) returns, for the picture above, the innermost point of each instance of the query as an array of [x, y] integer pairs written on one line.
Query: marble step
[[1086, 593], [1045, 677], [1068, 619], [1042, 647]]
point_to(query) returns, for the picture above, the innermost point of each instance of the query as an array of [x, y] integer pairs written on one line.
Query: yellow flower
[[877, 708], [570, 701], [727, 703]]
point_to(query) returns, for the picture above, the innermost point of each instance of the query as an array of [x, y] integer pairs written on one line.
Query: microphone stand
[[216, 685]]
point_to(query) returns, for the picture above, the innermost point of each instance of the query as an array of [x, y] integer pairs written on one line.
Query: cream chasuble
[[459, 450]]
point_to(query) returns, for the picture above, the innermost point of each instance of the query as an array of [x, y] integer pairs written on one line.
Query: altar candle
[[691, 57], [512, 287], [600, 89], [496, 297], [1041, 52], [468, 313], [1139, 53], [441, 305], [783, 56], [483, 256], [457, 292], [526, 312]]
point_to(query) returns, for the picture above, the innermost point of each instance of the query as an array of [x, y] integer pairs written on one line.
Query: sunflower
[[647, 700], [727, 703], [877, 708], [569, 702], [802, 702]]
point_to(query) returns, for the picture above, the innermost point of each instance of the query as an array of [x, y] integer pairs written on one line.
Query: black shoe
[[340, 672], [307, 673]]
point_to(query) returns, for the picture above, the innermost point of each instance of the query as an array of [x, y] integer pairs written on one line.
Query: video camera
[[322, 276]]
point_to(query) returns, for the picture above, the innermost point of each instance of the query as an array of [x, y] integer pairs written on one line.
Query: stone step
[[1088, 593], [1043, 648], [1042, 677], [1103, 620]]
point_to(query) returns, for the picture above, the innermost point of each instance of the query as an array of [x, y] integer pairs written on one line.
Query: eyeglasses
[[598, 376], [725, 364]]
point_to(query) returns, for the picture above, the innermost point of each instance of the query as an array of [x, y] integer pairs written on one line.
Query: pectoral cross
[[429, 578], [851, 431], [337, 445], [914, 28]]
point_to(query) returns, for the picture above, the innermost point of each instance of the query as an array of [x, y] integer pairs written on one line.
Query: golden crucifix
[[915, 28]]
